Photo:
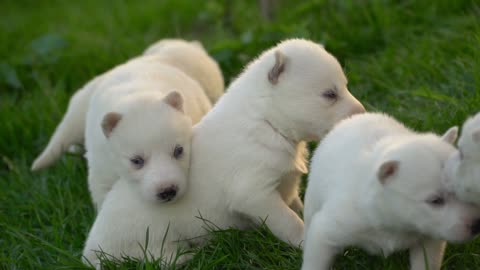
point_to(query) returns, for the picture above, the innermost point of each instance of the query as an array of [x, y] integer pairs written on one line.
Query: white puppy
[[191, 58], [463, 167], [151, 144], [130, 85], [248, 151], [245, 157], [188, 57], [376, 184]]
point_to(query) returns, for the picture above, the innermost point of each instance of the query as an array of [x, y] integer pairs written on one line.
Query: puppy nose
[[358, 109], [476, 227], [167, 194]]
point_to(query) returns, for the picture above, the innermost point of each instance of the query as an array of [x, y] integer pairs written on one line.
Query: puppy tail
[[71, 129]]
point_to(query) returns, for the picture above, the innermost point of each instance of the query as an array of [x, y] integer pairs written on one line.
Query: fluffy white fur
[[248, 151], [376, 184], [247, 154], [178, 58], [130, 86], [191, 58], [137, 201], [138, 140], [463, 166]]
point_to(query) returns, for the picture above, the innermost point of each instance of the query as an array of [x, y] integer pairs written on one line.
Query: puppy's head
[[191, 58], [469, 142], [462, 168], [413, 194], [151, 141], [308, 89]]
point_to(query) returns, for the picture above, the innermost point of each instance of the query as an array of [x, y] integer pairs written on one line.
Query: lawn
[[416, 60]]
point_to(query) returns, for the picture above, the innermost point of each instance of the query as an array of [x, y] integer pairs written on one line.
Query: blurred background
[[417, 60]]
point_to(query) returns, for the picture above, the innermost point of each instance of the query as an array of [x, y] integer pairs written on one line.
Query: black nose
[[476, 227], [167, 194]]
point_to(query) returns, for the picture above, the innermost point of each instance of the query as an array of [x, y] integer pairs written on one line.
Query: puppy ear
[[451, 135], [109, 122], [387, 170], [175, 100], [278, 68], [476, 135]]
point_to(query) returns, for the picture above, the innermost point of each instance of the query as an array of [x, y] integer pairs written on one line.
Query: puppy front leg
[[172, 253], [318, 254], [99, 184], [280, 219], [428, 253]]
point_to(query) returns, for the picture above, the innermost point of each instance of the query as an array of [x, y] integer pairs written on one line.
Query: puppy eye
[[178, 151], [330, 94], [137, 162], [436, 201]]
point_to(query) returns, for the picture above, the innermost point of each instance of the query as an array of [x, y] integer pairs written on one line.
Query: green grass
[[416, 60]]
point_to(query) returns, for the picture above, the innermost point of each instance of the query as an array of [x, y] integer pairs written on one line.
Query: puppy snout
[[475, 229], [167, 194], [357, 109]]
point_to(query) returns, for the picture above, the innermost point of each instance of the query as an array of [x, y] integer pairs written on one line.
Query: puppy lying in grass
[[165, 66], [463, 166], [248, 151], [293, 92], [246, 156], [376, 184], [151, 146]]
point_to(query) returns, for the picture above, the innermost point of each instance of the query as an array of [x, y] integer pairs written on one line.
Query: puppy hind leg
[[297, 205], [296, 178], [70, 131], [289, 190], [427, 255]]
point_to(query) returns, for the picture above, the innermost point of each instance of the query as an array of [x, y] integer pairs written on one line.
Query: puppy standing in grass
[[376, 184], [165, 66], [463, 167]]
